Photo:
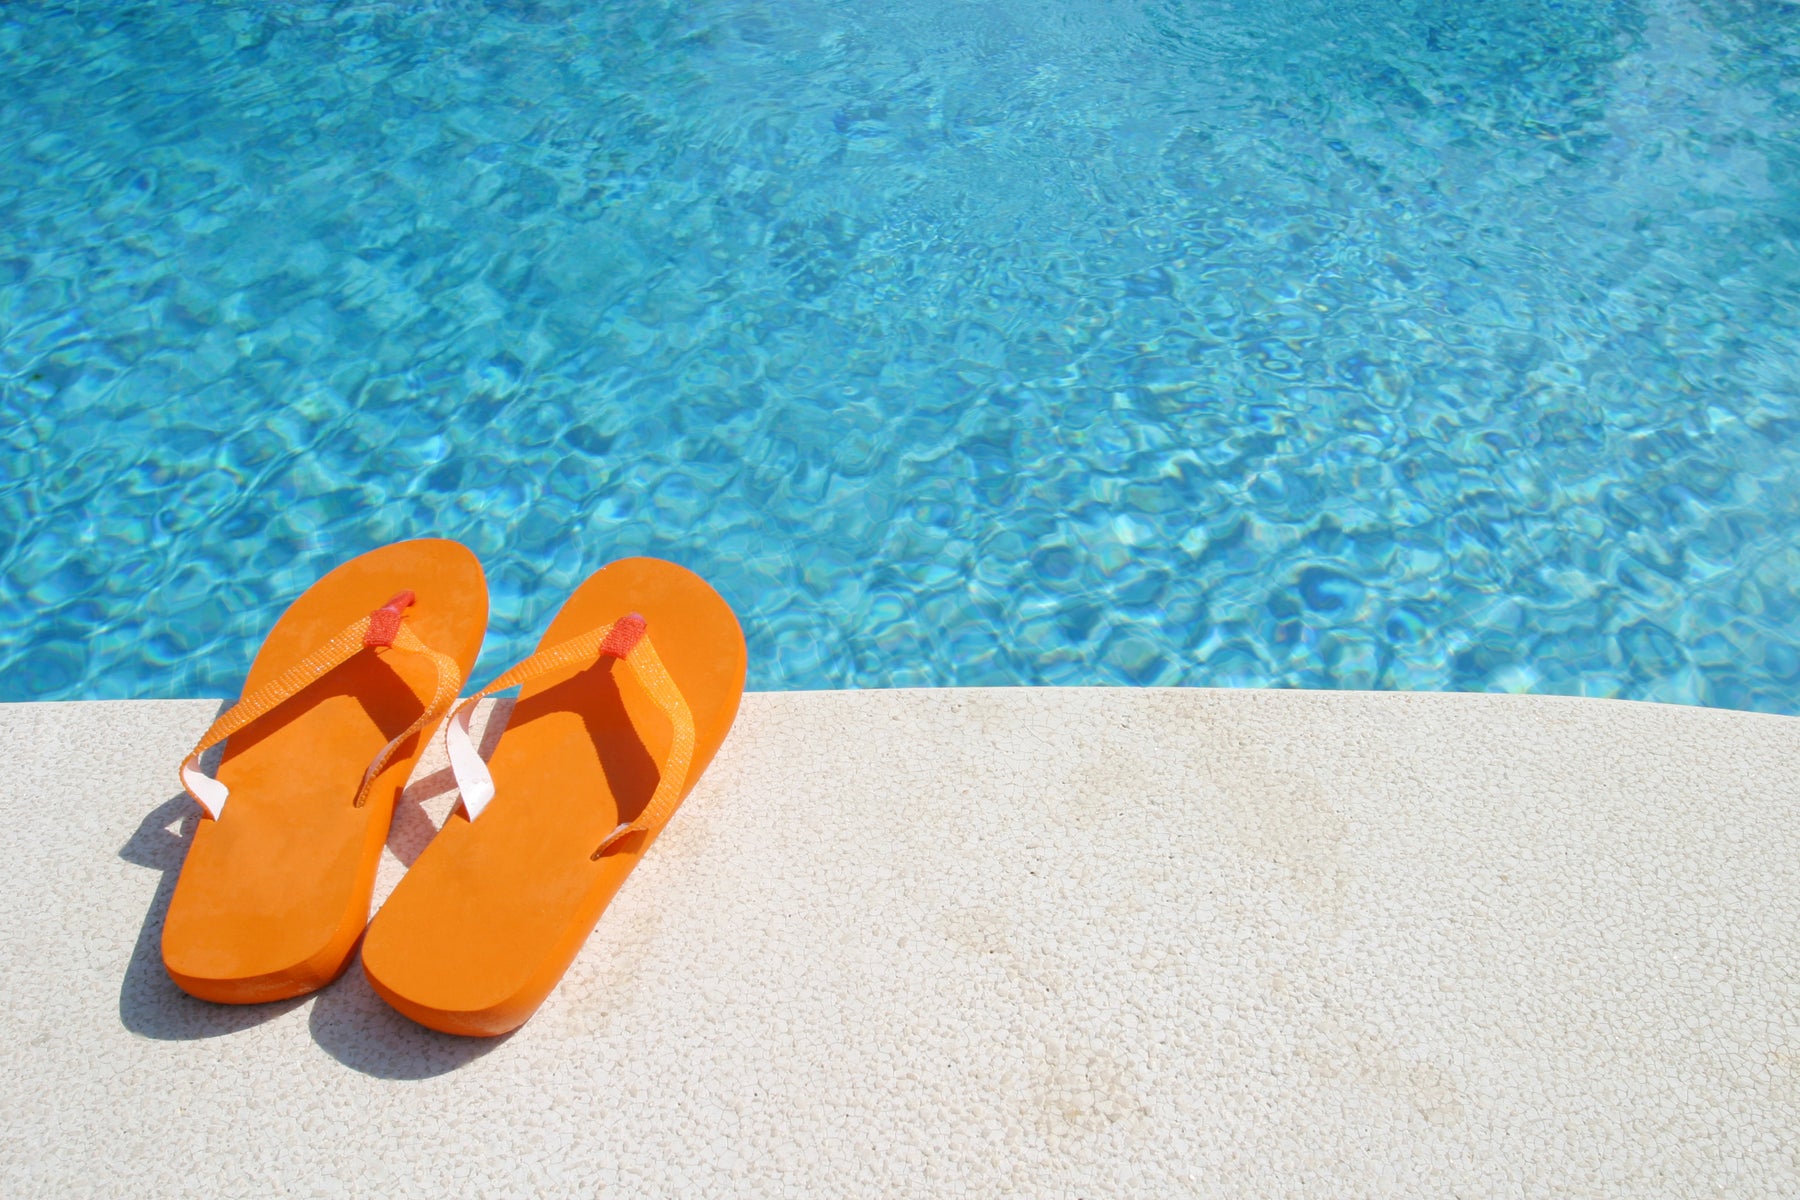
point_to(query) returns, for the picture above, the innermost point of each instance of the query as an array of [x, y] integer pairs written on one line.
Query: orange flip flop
[[629, 694], [343, 695]]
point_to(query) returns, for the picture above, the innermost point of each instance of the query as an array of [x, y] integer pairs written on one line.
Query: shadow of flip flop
[[356, 1027]]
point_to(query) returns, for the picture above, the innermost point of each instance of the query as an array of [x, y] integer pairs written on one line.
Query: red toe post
[[384, 622], [623, 636]]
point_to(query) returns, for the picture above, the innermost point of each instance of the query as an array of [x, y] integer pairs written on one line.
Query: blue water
[[1252, 342]]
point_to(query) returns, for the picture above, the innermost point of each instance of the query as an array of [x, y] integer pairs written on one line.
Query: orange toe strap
[[628, 640], [383, 629]]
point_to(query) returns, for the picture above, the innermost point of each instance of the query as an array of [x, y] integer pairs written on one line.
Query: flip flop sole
[[493, 912], [275, 893]]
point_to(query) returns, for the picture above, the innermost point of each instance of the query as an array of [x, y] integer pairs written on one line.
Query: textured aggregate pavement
[[1048, 943]]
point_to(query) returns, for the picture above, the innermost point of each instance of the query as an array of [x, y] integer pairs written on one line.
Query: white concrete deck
[[1051, 943]]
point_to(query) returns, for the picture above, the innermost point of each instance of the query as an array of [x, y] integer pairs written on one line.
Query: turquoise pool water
[[1363, 345]]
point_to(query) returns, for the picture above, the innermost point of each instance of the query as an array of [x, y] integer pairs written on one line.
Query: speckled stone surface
[[1047, 943]]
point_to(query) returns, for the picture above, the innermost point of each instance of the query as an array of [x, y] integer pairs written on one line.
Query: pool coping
[[1044, 941]]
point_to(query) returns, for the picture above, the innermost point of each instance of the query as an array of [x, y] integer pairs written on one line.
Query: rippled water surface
[[1293, 342]]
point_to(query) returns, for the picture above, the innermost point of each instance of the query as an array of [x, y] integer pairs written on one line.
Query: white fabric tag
[[208, 791], [472, 776]]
